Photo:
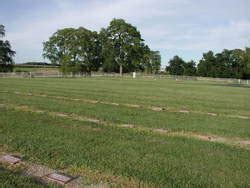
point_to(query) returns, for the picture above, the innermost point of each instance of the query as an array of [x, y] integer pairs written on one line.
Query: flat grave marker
[[59, 178], [10, 159]]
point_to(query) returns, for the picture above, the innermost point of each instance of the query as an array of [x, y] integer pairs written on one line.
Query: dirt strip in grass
[[210, 138], [153, 108]]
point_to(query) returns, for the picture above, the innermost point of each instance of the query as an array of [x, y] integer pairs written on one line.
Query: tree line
[[117, 48], [226, 64], [121, 48]]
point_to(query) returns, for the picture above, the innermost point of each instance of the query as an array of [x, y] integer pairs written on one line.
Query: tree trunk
[[120, 70]]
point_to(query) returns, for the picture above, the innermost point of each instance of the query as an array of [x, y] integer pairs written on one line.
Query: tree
[[76, 50], [56, 48], [86, 48], [189, 68], [107, 53], [2, 31], [176, 66], [207, 65], [226, 64], [236, 63], [245, 63], [155, 62], [124, 43], [6, 53]]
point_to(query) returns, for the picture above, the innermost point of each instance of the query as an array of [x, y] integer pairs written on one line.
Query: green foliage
[[153, 63], [76, 50], [189, 68], [227, 64], [245, 63], [206, 67], [176, 66], [122, 44], [119, 47], [6, 53]]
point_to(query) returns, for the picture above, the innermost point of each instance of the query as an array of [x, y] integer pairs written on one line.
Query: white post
[[134, 74]]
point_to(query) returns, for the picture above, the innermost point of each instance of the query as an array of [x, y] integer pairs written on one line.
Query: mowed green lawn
[[124, 156]]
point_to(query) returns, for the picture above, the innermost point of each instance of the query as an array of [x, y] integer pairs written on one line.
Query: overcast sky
[[184, 27]]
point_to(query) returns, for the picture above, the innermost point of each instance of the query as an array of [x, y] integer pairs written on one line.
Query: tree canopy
[[226, 64], [117, 48], [123, 45], [176, 66], [6, 53], [76, 50]]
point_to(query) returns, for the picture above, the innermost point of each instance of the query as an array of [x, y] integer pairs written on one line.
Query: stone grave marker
[[59, 178], [10, 159]]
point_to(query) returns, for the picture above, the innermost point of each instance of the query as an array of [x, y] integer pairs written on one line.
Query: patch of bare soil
[[109, 103], [203, 137], [93, 120], [242, 117], [61, 114], [244, 142], [76, 99], [42, 95], [162, 131], [132, 105], [127, 125], [211, 114], [59, 97], [184, 111], [39, 111], [157, 109], [90, 101]]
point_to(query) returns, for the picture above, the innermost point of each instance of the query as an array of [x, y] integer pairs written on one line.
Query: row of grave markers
[[54, 177]]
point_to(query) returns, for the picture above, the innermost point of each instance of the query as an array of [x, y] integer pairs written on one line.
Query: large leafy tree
[[207, 65], [189, 68], [76, 50], [237, 63], [155, 62], [124, 43], [86, 49], [56, 49], [176, 66], [246, 64], [6, 53], [226, 64]]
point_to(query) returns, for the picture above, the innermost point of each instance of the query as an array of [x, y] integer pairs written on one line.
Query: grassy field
[[120, 130]]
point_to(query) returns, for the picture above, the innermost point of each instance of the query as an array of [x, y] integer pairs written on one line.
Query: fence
[[126, 75]]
